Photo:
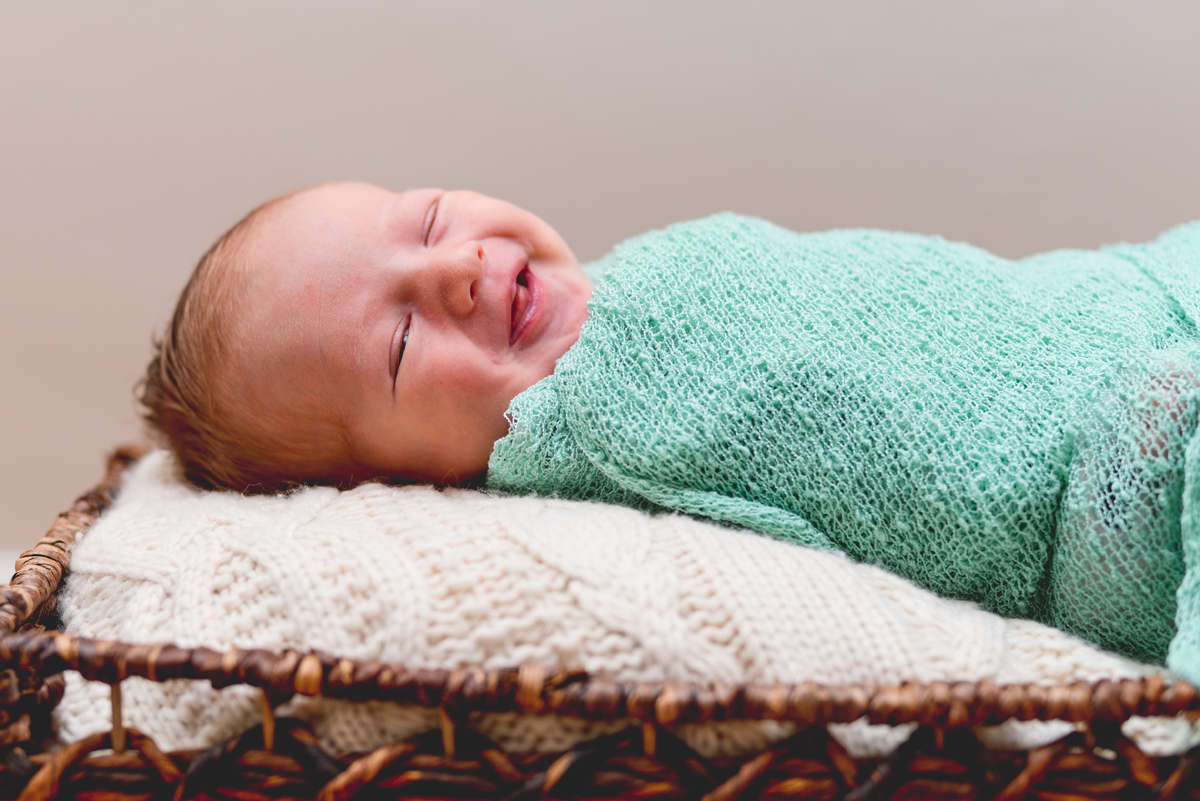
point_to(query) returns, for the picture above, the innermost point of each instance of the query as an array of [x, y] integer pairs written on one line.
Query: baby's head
[[345, 332]]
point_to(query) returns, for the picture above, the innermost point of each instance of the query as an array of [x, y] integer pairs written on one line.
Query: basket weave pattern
[[282, 758]]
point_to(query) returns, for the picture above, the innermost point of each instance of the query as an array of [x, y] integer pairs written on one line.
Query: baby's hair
[[179, 398], [188, 394]]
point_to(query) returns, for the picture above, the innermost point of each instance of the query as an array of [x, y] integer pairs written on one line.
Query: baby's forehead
[[328, 216], [305, 275], [288, 233]]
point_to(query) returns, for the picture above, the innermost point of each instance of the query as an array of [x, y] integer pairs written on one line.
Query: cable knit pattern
[[458, 578]]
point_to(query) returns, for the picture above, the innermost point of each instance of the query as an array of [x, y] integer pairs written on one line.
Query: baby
[[1019, 434], [345, 332]]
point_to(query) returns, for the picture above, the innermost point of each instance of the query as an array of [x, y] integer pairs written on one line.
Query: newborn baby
[[1019, 434], [345, 332]]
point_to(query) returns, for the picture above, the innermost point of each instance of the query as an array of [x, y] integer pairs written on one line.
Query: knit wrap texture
[[1015, 433]]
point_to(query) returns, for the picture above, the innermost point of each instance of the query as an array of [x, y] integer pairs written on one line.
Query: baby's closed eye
[[399, 342]]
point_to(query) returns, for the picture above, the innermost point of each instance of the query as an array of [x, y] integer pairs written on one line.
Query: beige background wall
[[133, 134]]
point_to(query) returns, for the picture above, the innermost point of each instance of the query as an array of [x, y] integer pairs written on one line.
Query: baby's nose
[[454, 276]]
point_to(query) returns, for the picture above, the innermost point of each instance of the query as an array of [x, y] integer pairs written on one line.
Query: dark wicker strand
[[462, 692]]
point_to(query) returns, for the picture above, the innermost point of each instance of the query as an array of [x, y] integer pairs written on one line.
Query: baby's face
[[403, 322]]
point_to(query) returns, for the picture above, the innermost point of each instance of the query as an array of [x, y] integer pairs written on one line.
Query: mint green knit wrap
[[1019, 434]]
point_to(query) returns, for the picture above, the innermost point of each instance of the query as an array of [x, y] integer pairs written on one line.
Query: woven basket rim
[[531, 689]]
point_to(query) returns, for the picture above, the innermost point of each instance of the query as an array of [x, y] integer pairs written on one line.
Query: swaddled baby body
[[1019, 434]]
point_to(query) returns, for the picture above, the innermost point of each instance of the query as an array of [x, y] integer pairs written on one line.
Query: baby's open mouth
[[520, 305]]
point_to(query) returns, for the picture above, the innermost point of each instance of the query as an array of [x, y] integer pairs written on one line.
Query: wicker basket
[[281, 758]]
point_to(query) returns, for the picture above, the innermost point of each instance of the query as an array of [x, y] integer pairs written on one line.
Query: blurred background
[[135, 133]]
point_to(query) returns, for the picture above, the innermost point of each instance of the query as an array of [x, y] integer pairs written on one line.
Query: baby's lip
[[526, 305]]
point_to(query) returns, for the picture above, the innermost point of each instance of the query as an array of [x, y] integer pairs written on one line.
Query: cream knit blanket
[[458, 578]]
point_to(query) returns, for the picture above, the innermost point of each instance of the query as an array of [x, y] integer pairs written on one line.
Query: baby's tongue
[[520, 303]]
